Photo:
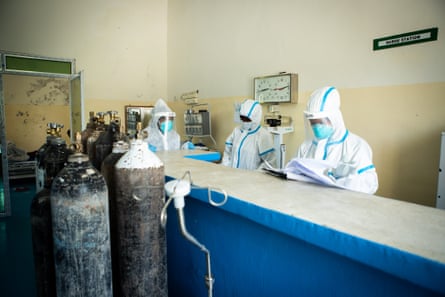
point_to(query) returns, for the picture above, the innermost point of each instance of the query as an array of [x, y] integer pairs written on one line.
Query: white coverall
[[249, 144], [352, 155], [157, 139]]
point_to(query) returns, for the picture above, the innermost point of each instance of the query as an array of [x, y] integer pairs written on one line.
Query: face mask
[[246, 125], [322, 131], [166, 126]]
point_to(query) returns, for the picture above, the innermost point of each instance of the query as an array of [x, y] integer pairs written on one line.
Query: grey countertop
[[405, 226]]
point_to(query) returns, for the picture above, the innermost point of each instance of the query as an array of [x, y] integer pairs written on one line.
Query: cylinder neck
[[77, 158]]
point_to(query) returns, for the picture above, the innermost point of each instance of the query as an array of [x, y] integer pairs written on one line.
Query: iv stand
[[280, 147], [177, 190]]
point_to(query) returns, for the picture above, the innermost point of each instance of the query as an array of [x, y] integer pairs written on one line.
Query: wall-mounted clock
[[279, 88]]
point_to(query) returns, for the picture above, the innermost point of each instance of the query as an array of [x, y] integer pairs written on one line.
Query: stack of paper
[[306, 170]]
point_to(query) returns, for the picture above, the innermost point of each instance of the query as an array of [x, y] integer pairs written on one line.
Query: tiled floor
[[16, 259]]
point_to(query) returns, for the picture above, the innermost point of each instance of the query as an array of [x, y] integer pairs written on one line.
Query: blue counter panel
[[205, 156], [259, 252]]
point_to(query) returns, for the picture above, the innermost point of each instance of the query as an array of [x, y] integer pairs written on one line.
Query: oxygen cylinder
[[40, 169], [53, 131], [108, 172], [55, 159], [81, 234], [104, 143], [91, 141], [52, 160], [86, 133], [139, 178], [42, 244], [91, 145]]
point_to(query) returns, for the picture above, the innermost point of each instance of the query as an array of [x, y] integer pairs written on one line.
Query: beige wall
[[403, 125], [218, 47], [120, 45], [30, 104]]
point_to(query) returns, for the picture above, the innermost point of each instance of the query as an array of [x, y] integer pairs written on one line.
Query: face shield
[[165, 122], [166, 125], [321, 127], [318, 125], [323, 118]]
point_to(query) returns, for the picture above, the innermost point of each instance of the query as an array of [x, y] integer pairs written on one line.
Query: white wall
[[219, 46], [120, 45]]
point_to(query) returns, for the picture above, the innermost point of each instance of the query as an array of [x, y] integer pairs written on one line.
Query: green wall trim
[[37, 65]]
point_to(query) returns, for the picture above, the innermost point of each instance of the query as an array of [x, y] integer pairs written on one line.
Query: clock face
[[276, 88]]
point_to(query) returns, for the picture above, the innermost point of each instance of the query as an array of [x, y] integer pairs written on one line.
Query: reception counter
[[285, 238]]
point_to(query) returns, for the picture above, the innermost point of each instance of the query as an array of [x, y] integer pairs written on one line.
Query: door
[[76, 103], [5, 209]]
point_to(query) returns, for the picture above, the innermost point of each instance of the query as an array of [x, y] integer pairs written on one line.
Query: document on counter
[[305, 170]]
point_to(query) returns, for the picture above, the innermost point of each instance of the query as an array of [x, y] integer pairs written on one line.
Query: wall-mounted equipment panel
[[197, 123]]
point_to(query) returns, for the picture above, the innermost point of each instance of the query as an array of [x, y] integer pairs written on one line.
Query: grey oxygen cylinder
[[142, 248], [81, 234]]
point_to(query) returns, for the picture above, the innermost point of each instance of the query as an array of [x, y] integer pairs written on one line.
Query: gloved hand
[[343, 170], [188, 145]]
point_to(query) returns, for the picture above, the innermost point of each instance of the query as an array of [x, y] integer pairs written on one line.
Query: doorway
[[34, 91]]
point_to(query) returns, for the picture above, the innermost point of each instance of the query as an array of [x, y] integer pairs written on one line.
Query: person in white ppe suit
[[249, 144], [162, 135], [328, 139]]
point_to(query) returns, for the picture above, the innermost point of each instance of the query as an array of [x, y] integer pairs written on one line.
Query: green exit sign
[[406, 38]]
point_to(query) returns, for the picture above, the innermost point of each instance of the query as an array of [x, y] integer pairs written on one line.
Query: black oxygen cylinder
[[108, 170], [53, 160], [42, 244], [91, 145], [104, 144], [91, 141], [53, 131], [40, 166], [88, 131], [81, 234], [139, 180]]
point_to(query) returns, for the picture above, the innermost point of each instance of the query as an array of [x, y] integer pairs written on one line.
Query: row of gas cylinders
[[96, 229]]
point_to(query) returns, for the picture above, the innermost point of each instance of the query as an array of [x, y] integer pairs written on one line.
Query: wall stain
[[22, 114], [48, 91], [28, 119]]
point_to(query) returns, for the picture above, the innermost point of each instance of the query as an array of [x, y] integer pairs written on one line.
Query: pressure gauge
[[280, 88]]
